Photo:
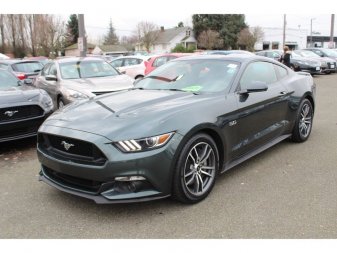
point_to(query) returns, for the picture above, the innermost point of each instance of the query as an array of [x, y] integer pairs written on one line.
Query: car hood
[[132, 112], [99, 84], [21, 94]]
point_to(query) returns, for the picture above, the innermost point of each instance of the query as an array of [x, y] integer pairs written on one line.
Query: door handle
[[282, 93]]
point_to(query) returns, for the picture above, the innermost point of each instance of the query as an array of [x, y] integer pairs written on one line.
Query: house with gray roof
[[169, 38], [109, 50], [73, 50]]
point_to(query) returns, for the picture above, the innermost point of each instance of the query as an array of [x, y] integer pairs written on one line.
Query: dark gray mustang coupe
[[176, 130]]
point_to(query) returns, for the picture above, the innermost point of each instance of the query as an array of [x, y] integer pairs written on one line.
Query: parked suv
[[70, 79]]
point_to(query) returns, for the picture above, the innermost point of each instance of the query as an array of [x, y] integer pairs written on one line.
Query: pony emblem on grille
[[66, 145], [10, 113]]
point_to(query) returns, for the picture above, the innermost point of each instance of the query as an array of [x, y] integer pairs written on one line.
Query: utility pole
[[284, 29], [311, 32], [82, 41], [331, 44]]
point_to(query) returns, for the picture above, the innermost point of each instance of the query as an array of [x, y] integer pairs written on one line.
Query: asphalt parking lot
[[289, 191]]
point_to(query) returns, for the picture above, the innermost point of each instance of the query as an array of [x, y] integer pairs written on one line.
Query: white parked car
[[3, 57], [133, 66]]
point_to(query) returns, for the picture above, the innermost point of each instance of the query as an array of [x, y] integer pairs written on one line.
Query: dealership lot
[[288, 191]]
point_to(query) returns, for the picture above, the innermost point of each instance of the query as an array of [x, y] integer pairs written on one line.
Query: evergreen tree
[[111, 38], [72, 30], [227, 25]]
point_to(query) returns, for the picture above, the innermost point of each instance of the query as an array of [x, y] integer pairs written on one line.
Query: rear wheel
[[196, 169], [303, 123]]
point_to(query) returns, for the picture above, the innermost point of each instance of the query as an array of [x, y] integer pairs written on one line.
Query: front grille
[[71, 181], [20, 112], [70, 149], [17, 132]]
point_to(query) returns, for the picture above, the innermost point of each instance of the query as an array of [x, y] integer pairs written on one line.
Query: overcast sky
[[127, 13]]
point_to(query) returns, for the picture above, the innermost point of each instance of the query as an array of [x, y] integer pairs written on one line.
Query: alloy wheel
[[305, 121], [200, 169]]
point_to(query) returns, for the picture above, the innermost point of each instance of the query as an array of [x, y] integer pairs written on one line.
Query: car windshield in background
[[330, 53], [7, 80], [86, 69], [191, 76], [27, 67], [305, 53]]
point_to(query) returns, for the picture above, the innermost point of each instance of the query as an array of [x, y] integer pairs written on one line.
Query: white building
[[273, 39], [169, 38]]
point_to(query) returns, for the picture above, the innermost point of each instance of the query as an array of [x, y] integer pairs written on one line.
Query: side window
[[132, 61], [258, 72], [52, 70], [45, 70], [281, 71], [117, 63], [160, 61]]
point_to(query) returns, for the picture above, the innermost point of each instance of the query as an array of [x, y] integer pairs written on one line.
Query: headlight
[[75, 94], [144, 144]]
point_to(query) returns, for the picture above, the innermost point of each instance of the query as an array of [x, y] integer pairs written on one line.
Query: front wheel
[[303, 123], [196, 169]]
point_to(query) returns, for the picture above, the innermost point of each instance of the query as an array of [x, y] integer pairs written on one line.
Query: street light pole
[[82, 43], [331, 44], [284, 29], [311, 31]]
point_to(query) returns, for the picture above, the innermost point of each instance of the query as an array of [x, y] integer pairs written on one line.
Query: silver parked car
[[70, 79]]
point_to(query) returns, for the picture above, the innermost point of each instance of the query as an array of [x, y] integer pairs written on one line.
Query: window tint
[[273, 55], [117, 63], [282, 71], [45, 70], [131, 61], [52, 70], [7, 80], [160, 61], [86, 69], [27, 67], [258, 72]]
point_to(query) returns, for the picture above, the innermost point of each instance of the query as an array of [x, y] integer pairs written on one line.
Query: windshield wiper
[[161, 78], [195, 93]]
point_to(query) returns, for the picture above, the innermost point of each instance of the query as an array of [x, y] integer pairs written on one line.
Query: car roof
[[78, 59], [13, 61], [230, 57]]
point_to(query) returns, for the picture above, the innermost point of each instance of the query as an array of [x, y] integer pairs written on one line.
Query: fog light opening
[[131, 178]]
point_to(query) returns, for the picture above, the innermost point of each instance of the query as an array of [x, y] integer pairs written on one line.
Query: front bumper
[[99, 183], [308, 69]]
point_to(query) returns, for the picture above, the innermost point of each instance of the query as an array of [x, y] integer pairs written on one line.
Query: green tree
[[111, 38], [72, 30], [227, 25], [180, 24]]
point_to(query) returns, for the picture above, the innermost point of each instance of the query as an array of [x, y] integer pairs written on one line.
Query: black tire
[[303, 123], [60, 103], [189, 174]]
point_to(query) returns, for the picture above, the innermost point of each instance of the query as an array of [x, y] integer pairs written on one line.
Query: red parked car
[[159, 60]]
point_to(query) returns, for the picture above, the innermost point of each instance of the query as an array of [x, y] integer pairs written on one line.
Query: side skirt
[[254, 152]]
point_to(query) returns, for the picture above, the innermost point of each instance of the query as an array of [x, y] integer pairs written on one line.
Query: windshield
[[27, 67], [86, 69], [7, 80], [307, 54], [206, 75], [329, 53]]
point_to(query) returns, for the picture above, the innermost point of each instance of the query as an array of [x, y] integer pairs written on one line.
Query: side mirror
[[123, 72], [51, 78], [255, 86], [28, 81]]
